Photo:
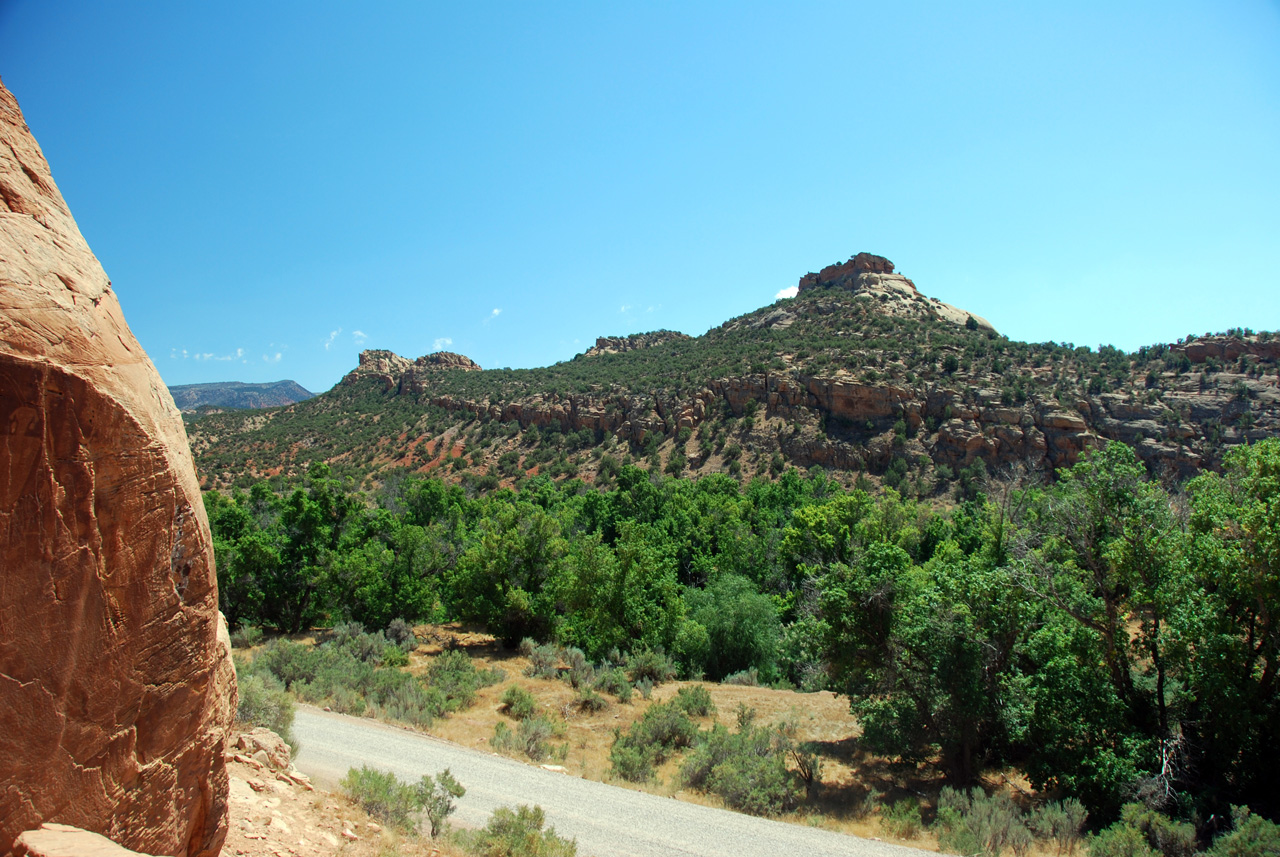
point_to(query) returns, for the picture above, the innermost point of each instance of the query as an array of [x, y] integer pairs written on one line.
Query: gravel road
[[606, 820]]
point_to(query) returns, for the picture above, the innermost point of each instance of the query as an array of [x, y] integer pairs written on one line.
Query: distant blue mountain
[[237, 394]]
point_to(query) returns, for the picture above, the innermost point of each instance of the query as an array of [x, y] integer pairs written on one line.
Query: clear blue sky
[[278, 185]]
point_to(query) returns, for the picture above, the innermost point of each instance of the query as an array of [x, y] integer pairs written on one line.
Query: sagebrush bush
[[747, 768], [695, 701], [543, 661], [971, 822], [456, 676], [246, 637], [401, 634], [662, 729], [518, 703], [264, 702], [590, 701], [614, 681], [518, 833], [902, 818], [384, 796], [1143, 832], [653, 664], [354, 672], [1062, 822], [531, 738], [1250, 836], [580, 673], [745, 678]]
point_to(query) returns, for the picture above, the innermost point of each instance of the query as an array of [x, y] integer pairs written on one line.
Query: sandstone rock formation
[[63, 840], [116, 686], [873, 277], [633, 342], [404, 375]]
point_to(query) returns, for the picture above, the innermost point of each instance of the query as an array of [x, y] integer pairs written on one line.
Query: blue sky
[[274, 186]]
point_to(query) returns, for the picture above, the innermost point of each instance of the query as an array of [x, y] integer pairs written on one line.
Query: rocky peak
[[847, 273], [446, 360], [633, 342], [869, 276], [401, 374]]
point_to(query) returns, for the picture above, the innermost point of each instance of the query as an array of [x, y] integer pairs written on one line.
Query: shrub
[[454, 674], [645, 687], [588, 700], [747, 769], [400, 633], [695, 701], [633, 763], [1120, 840], [437, 797], [970, 822], [901, 819], [531, 738], [745, 678], [580, 672], [1163, 834], [519, 833], [1061, 821], [264, 702], [384, 796], [663, 728], [1252, 836], [614, 681], [542, 662], [517, 703], [653, 664], [246, 637]]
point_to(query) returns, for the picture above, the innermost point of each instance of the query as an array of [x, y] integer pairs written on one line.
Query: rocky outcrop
[[116, 685], [63, 840], [1229, 348], [873, 278], [446, 360], [633, 342], [398, 373]]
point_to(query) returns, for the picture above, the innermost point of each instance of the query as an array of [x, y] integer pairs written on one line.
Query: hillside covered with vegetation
[[853, 382]]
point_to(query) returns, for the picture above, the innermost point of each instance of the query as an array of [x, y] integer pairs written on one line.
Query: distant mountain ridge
[[238, 394]]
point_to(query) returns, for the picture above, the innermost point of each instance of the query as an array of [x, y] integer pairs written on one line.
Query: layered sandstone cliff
[[116, 684]]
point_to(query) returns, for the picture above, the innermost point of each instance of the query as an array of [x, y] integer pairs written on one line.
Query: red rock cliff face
[[115, 678]]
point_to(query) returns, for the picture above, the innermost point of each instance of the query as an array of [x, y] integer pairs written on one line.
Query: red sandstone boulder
[[116, 685], [62, 840]]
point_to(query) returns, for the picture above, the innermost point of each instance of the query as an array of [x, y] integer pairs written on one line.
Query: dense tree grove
[[1117, 640]]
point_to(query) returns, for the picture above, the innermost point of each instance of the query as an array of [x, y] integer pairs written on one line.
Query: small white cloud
[[496, 312], [358, 336], [333, 334], [273, 358], [790, 292], [441, 344], [209, 355], [625, 308]]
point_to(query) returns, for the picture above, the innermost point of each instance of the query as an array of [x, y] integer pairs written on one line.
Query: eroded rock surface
[[116, 684], [872, 277]]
